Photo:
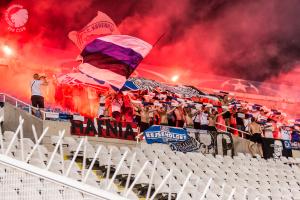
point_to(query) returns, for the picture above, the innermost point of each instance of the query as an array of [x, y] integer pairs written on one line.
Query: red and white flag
[[101, 25]]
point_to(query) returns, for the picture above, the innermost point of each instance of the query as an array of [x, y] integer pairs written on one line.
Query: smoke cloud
[[253, 40]]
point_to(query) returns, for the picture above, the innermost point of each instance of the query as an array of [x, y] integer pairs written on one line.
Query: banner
[[165, 134], [276, 148], [134, 83], [205, 139], [104, 128], [188, 140], [190, 145]]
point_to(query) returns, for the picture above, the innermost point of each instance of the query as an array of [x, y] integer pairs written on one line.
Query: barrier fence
[[25, 106]]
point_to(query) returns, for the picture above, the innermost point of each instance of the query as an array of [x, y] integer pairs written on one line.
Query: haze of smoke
[[246, 39]]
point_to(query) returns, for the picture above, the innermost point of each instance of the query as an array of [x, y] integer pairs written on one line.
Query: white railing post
[[183, 186], [161, 184], [117, 170], [21, 140], [74, 157], [136, 179], [108, 167], [92, 164], [37, 142], [151, 180], [61, 135], [61, 152], [14, 137], [130, 171], [206, 189], [84, 157]]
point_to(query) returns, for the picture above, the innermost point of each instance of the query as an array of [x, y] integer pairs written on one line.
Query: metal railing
[[20, 104], [16, 169], [235, 129]]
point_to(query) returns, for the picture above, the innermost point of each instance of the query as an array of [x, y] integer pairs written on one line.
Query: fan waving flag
[[113, 58]]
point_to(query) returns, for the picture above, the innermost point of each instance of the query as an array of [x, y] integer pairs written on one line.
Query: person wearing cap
[[37, 99]]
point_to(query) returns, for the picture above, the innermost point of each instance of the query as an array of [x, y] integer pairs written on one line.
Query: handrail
[[58, 179], [24, 103], [228, 127]]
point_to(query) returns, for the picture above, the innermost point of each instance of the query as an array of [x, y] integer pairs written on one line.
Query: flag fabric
[[81, 79], [101, 25], [190, 145], [113, 58]]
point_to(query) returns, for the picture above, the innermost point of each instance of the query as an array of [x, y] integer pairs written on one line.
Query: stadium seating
[[209, 177]]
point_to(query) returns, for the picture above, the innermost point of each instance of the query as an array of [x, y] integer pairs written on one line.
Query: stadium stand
[[82, 170]]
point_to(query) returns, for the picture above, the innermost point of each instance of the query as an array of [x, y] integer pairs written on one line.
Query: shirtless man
[[179, 116], [163, 114], [256, 134]]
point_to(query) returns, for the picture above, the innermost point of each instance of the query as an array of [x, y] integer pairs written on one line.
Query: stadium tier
[[75, 168]]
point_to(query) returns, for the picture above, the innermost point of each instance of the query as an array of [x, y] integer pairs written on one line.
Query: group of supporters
[[205, 112]]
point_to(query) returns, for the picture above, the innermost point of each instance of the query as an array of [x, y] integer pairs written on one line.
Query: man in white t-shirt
[[37, 98]]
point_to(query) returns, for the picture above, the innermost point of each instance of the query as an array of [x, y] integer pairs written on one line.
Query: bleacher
[[77, 169]]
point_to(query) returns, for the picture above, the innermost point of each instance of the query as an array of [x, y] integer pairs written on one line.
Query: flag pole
[[160, 37]]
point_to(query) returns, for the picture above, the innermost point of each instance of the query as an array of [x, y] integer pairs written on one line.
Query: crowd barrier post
[[61, 152], [136, 178], [117, 170], [92, 164], [74, 157], [108, 167], [206, 189], [84, 157], [151, 179], [37, 142], [161, 184], [21, 140], [130, 171], [183, 186], [15, 136], [61, 135]]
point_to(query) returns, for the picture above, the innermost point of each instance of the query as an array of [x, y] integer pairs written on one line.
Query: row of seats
[[252, 178]]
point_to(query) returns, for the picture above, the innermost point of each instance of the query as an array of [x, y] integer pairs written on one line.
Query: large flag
[[113, 58], [101, 25], [81, 79]]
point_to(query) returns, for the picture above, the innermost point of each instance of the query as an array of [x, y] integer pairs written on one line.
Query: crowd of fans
[[209, 113]]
